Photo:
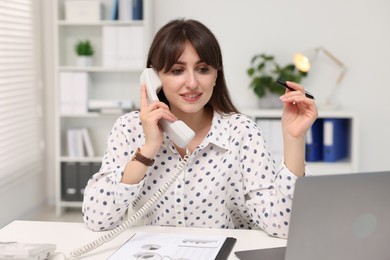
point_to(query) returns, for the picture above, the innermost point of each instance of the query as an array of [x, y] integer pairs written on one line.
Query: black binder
[[85, 172], [70, 181]]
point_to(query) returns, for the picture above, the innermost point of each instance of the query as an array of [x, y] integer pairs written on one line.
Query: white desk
[[70, 236]]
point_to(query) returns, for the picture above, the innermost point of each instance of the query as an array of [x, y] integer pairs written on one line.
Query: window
[[21, 125]]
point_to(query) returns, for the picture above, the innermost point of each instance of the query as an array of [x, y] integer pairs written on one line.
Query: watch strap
[[142, 159]]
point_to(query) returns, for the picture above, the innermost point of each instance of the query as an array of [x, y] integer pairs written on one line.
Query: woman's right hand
[[150, 114]]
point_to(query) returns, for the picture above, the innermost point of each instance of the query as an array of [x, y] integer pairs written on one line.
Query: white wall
[[22, 198], [356, 31]]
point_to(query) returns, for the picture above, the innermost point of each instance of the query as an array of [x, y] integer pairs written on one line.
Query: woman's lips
[[191, 97]]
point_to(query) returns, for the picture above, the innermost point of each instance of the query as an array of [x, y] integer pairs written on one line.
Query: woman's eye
[[204, 70], [176, 71]]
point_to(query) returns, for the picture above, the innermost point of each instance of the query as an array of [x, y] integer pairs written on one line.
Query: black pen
[[283, 84]]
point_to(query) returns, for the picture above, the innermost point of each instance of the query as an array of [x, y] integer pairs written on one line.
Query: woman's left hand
[[299, 111]]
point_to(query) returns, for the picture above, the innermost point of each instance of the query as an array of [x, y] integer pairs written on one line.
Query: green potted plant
[[264, 71], [84, 51]]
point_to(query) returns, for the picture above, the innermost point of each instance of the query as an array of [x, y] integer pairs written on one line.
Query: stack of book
[[110, 106], [79, 143]]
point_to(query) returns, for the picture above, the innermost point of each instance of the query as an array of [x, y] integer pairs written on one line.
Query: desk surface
[[70, 236]]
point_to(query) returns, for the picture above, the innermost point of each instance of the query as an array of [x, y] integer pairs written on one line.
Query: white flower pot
[[84, 61], [270, 100]]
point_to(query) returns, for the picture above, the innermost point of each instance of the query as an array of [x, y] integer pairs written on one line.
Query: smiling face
[[190, 46], [188, 85]]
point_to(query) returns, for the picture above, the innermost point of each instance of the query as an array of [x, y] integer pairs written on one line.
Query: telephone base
[[25, 251]]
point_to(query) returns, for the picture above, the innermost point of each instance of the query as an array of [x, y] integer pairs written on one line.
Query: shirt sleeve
[[268, 187], [106, 199]]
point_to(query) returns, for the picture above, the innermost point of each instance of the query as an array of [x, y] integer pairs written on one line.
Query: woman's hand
[[150, 114], [299, 111]]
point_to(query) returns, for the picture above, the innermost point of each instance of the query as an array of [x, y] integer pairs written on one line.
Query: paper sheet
[[153, 246]]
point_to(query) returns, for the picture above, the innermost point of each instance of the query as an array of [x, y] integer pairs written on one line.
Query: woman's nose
[[191, 81]]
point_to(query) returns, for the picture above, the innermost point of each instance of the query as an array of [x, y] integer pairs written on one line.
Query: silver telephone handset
[[178, 131]]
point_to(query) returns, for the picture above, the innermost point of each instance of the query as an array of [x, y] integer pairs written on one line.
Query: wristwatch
[[142, 159]]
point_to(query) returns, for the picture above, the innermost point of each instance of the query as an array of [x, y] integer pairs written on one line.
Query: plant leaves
[[265, 74]]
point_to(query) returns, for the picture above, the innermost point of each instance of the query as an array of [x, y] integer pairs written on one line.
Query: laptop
[[344, 216]]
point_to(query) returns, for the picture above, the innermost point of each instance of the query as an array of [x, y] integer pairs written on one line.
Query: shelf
[[71, 204], [99, 69], [277, 113], [81, 159], [322, 168], [91, 115], [101, 23], [268, 113]]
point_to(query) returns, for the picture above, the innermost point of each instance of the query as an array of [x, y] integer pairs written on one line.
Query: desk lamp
[[304, 62]]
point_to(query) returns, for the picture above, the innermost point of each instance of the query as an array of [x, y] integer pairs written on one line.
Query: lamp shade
[[301, 62]]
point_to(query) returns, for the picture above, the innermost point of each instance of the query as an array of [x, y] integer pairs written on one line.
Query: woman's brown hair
[[168, 45]]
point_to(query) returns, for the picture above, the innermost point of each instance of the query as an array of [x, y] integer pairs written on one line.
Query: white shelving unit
[[106, 83], [349, 165]]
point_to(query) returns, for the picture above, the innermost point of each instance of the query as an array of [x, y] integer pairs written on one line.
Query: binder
[[70, 181], [75, 143], [109, 42], [74, 92], [130, 46], [137, 9], [71, 142], [87, 142], [85, 173], [336, 139], [79, 143], [80, 85], [66, 92], [96, 167], [114, 13], [123, 46], [314, 142], [125, 10]]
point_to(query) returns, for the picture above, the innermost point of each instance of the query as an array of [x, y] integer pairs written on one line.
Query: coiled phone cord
[[140, 213]]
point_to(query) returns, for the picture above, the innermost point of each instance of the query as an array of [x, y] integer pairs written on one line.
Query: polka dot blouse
[[230, 181]]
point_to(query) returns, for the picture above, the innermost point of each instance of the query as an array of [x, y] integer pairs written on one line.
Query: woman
[[230, 179]]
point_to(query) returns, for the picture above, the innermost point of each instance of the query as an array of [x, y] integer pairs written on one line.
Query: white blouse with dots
[[230, 181]]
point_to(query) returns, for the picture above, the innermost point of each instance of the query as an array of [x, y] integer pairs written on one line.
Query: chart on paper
[[169, 246]]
